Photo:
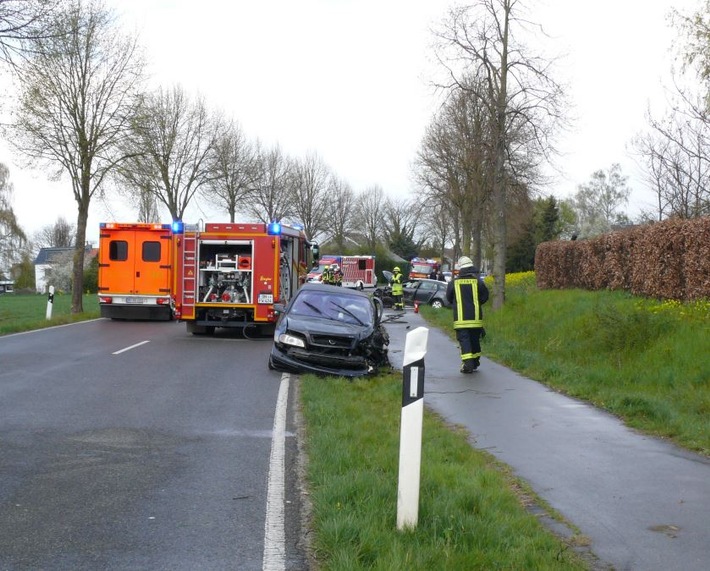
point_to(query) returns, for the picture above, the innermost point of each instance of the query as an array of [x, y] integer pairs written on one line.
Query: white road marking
[[274, 530], [129, 348]]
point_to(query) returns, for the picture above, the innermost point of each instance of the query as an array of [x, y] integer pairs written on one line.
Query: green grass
[[472, 513], [648, 362], [29, 311]]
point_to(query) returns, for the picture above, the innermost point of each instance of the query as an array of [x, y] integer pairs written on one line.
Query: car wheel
[[437, 304]]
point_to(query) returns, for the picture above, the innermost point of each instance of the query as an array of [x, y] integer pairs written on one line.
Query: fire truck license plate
[[135, 300], [266, 298]]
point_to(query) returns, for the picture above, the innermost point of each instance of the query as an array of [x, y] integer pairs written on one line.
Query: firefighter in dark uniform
[[337, 275], [467, 293], [397, 290]]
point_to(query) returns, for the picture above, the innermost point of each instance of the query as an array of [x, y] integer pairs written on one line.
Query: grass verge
[[472, 513], [27, 312]]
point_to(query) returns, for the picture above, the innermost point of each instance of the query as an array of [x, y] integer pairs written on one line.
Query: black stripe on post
[[413, 382]]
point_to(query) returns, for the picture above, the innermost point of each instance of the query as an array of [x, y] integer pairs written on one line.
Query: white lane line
[[274, 530], [129, 348]]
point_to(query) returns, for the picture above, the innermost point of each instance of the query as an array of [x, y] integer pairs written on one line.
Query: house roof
[[50, 255]]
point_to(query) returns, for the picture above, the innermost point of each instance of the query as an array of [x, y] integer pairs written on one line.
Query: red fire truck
[[231, 274], [358, 271], [423, 268], [135, 270]]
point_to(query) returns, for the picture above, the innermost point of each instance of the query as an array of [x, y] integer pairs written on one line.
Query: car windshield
[[350, 309], [421, 268]]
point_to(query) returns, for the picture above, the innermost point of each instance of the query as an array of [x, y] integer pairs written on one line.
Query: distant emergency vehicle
[[423, 268], [358, 271], [135, 270]]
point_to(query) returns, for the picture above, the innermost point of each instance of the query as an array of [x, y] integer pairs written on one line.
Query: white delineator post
[[410, 437], [50, 302]]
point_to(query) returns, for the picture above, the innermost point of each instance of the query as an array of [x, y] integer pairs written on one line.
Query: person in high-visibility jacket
[[327, 275], [397, 290], [467, 293]]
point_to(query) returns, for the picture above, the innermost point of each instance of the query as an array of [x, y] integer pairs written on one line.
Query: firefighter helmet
[[396, 269]]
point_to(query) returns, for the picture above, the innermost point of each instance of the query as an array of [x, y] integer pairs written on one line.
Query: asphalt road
[[643, 503], [133, 445]]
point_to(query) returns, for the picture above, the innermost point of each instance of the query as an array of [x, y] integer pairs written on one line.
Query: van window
[[151, 251], [118, 250]]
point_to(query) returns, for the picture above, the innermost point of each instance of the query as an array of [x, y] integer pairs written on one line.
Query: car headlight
[[288, 339]]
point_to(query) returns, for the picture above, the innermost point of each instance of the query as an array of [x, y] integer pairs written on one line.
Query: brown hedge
[[665, 260]]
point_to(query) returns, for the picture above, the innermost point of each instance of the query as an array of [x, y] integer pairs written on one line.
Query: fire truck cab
[[232, 274]]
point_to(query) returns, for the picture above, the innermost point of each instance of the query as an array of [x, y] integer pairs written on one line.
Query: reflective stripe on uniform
[[466, 356], [460, 321]]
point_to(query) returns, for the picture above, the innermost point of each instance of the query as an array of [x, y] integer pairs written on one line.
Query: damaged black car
[[330, 330]]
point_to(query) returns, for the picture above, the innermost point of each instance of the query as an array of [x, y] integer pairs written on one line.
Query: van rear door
[[135, 261]]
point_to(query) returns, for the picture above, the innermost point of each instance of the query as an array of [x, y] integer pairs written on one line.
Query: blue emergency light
[[274, 229], [178, 227]]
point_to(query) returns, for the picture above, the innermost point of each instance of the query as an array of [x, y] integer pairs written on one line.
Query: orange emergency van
[[135, 270]]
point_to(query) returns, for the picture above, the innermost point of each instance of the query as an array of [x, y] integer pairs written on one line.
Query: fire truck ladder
[[189, 274]]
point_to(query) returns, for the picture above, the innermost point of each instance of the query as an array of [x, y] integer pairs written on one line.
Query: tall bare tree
[[370, 210], [401, 223], [172, 136], [694, 40], [22, 22], [271, 199], [77, 89], [598, 202], [233, 166], [12, 237], [675, 149], [310, 198], [523, 101], [61, 234], [454, 166], [438, 224], [341, 212], [676, 154], [148, 210]]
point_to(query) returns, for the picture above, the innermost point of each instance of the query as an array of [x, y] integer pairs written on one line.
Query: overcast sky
[[350, 80]]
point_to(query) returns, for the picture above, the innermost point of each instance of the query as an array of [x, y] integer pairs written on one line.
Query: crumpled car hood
[[308, 325]]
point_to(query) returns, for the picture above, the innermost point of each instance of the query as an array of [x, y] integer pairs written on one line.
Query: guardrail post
[[410, 439], [50, 302]]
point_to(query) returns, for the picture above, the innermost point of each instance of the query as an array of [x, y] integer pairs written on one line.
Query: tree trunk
[[499, 180], [77, 292]]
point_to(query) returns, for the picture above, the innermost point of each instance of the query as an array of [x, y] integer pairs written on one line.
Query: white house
[[46, 259]]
